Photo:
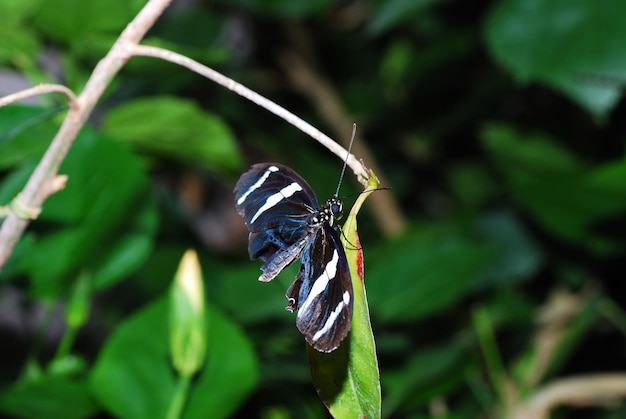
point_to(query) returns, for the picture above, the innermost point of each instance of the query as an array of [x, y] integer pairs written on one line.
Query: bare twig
[[589, 390], [359, 170], [39, 185], [40, 89]]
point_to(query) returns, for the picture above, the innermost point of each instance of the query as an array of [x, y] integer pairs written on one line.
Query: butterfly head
[[334, 209]]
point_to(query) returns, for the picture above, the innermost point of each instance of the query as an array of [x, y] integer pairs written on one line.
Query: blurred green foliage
[[498, 124]]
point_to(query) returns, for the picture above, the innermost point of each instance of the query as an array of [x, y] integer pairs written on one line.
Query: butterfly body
[[286, 223]]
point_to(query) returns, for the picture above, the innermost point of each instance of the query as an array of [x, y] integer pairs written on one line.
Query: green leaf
[[133, 378], [527, 156], [426, 368], [519, 257], [175, 128], [559, 42], [51, 396], [104, 219], [565, 197], [25, 133], [72, 20], [263, 301], [424, 280], [392, 13], [12, 11], [19, 45], [347, 379], [279, 8]]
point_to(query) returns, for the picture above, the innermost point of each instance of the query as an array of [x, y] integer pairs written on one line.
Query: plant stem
[[495, 366], [179, 399], [66, 343]]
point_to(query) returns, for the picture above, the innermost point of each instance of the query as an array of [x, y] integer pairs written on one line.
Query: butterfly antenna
[[343, 169]]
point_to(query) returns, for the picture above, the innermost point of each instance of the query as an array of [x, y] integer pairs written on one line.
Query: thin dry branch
[[359, 170], [40, 89], [589, 390], [39, 185]]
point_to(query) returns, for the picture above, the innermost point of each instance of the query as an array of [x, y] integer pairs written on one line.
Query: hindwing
[[322, 292]]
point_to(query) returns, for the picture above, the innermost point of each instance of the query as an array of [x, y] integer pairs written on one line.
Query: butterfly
[[286, 223]]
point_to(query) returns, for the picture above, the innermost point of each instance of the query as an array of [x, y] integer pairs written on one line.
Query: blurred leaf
[[15, 181], [519, 256], [18, 43], [12, 11], [25, 133], [283, 8], [104, 216], [133, 379], [174, 128], [423, 272], [423, 377], [51, 396], [527, 156], [391, 14], [203, 28], [71, 20], [397, 62], [347, 379], [557, 42], [471, 185], [563, 196], [235, 287]]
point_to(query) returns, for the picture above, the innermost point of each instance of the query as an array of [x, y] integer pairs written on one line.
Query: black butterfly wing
[[322, 292], [275, 203]]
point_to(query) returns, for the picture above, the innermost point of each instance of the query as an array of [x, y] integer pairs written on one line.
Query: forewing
[[270, 195], [322, 292]]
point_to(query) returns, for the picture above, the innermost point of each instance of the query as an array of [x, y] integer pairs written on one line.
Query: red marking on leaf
[[359, 257]]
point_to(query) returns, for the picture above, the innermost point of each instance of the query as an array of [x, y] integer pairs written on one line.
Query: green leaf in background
[[49, 397], [347, 379], [11, 11], [526, 156], [423, 376], [175, 128], [392, 13], [565, 197], [105, 219], [71, 20], [519, 256], [25, 133], [559, 42], [133, 378], [286, 8], [18, 43], [235, 287], [433, 267]]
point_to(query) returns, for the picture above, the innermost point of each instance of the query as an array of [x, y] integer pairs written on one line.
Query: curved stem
[[39, 90], [359, 170]]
